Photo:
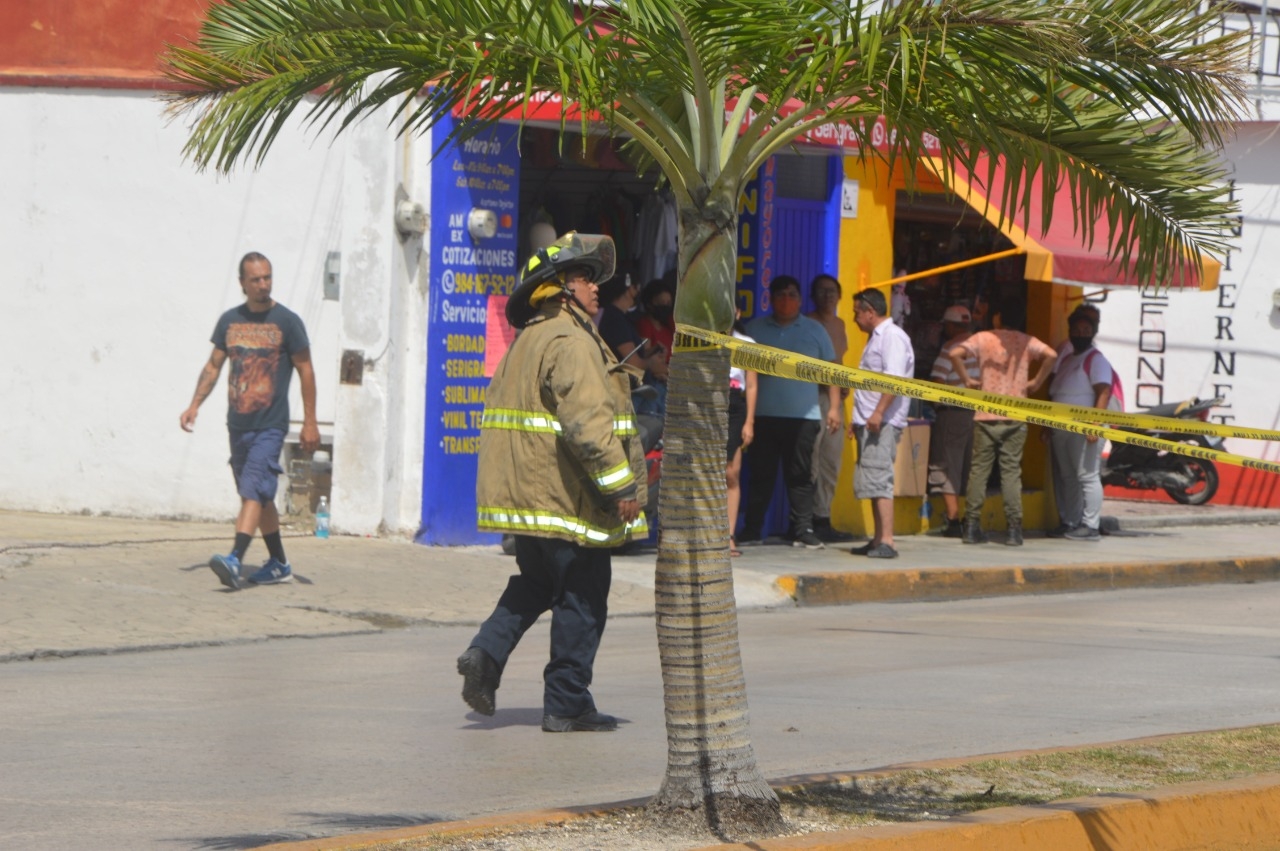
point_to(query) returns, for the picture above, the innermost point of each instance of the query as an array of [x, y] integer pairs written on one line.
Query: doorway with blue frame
[[797, 230]]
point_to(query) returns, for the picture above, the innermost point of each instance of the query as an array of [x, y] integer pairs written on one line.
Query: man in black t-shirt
[[617, 329], [618, 295], [265, 343]]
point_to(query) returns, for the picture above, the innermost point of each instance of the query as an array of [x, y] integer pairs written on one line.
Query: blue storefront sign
[[475, 187], [756, 250]]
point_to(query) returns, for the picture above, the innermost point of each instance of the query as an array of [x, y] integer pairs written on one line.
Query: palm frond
[[1120, 98]]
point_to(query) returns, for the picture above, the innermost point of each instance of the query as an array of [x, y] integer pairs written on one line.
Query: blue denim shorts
[[255, 462]]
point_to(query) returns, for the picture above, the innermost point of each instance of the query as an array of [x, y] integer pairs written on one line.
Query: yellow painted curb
[[1231, 815], [1240, 815], [949, 583]]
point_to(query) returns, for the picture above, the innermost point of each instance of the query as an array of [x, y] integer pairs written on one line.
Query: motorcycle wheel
[[1204, 487]]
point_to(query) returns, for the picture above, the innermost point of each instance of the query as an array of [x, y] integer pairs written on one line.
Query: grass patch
[[913, 795], [1041, 778]]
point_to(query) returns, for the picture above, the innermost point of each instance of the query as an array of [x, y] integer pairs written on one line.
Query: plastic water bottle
[[926, 513], [322, 518]]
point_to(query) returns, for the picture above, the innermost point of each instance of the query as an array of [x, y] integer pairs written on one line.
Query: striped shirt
[[945, 373]]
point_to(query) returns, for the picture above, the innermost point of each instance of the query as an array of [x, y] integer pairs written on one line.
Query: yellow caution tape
[[1097, 415], [784, 364]]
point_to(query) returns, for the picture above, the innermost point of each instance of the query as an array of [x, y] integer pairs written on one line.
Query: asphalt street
[[236, 745]]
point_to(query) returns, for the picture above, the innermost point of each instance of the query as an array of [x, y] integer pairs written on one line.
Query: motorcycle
[[1190, 481]]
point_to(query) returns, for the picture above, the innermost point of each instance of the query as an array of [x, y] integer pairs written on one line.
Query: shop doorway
[[807, 218], [593, 188], [931, 232]]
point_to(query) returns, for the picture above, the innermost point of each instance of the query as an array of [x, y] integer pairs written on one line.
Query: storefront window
[[934, 232]]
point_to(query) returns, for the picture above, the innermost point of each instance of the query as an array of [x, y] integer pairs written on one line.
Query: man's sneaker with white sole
[[272, 573]]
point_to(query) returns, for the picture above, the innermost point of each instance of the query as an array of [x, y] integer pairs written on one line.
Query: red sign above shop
[[840, 134], [550, 108]]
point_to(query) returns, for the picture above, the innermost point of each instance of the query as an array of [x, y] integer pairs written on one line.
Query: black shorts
[[950, 450], [737, 419]]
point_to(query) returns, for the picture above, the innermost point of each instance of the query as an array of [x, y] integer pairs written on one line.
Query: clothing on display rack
[[656, 250]]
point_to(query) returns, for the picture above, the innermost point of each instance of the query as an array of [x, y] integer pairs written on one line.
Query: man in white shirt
[[879, 418], [1082, 377]]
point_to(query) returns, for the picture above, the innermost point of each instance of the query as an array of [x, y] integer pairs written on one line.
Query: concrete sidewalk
[[80, 585], [1156, 545]]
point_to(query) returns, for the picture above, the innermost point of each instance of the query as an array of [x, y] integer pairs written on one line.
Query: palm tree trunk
[[712, 779]]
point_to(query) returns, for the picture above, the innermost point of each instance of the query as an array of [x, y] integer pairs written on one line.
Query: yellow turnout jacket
[[558, 444]]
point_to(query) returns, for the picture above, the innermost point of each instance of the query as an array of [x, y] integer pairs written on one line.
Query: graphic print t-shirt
[[260, 347]]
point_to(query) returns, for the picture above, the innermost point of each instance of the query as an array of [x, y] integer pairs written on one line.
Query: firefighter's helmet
[[593, 253]]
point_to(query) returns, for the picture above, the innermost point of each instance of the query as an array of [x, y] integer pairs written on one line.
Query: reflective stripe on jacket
[[558, 444]]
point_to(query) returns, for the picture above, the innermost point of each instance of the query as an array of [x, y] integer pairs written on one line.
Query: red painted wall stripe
[[103, 44], [1236, 486]]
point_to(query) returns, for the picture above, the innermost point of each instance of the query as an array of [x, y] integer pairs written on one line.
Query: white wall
[[1209, 334], [378, 435], [119, 257]]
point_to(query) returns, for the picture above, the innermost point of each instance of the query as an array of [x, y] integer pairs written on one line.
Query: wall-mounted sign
[[849, 199], [470, 280]]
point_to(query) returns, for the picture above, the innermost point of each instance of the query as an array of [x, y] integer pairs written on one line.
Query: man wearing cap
[[561, 469], [1082, 377], [879, 418], [951, 437]]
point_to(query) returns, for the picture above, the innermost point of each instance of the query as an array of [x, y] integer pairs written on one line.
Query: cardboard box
[[911, 469]]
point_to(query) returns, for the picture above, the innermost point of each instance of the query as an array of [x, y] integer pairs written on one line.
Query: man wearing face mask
[[1082, 377], [618, 297], [788, 418]]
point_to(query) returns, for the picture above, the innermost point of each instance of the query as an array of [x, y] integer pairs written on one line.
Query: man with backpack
[[1083, 377]]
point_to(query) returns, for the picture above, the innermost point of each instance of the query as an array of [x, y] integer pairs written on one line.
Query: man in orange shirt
[[1004, 357]]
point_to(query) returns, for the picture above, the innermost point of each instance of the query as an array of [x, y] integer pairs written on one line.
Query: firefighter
[[561, 469]]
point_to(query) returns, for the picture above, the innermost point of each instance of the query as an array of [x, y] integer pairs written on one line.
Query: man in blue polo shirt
[[788, 417]]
